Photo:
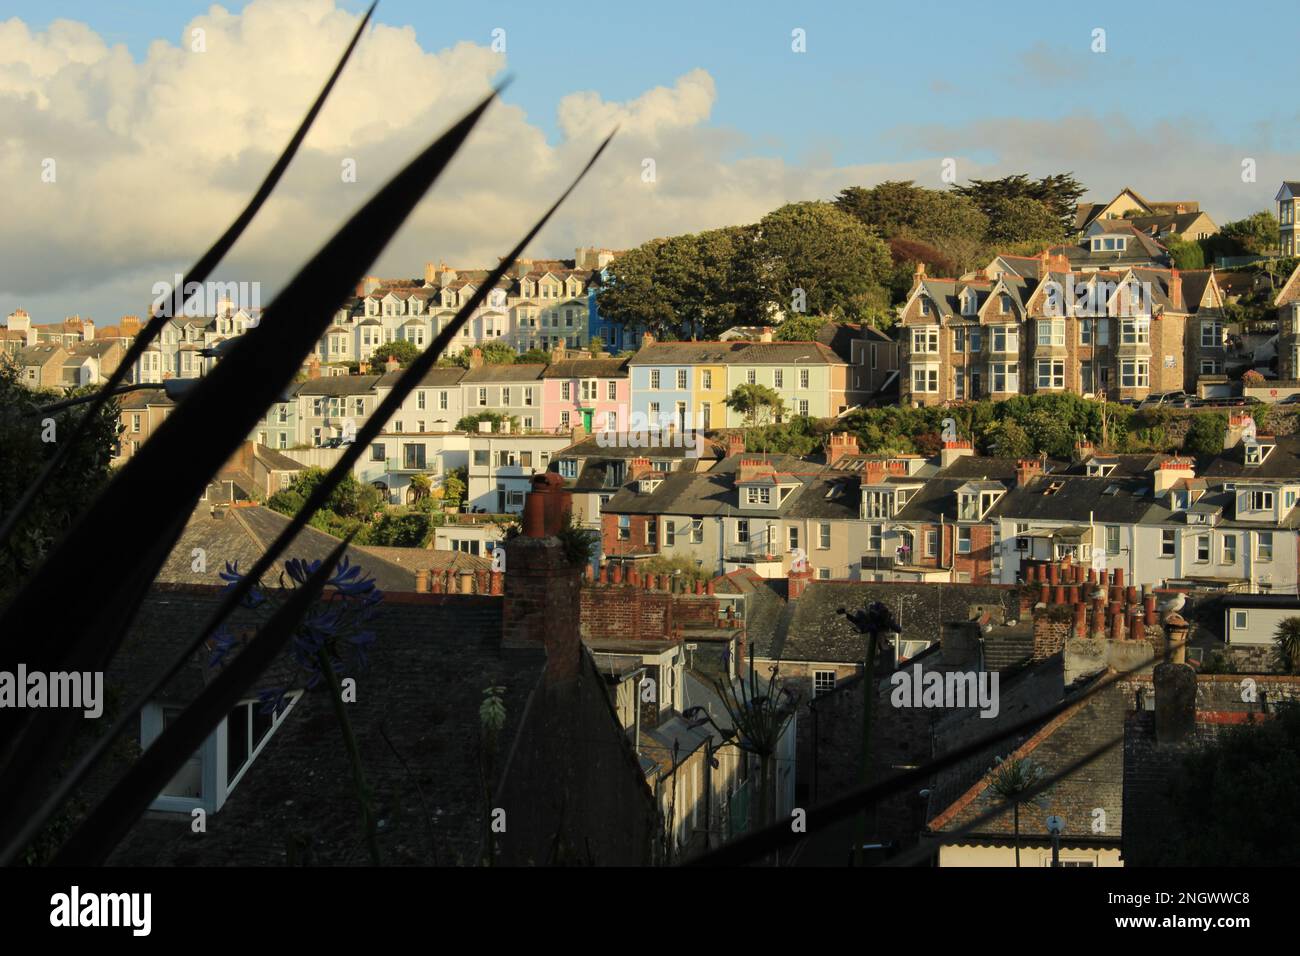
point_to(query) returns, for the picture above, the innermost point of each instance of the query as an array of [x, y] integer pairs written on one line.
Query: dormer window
[[757, 496], [968, 303], [1256, 453], [1109, 243], [1099, 470]]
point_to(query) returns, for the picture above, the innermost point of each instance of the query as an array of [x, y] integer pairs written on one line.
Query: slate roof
[[1109, 500], [519, 372], [416, 719], [810, 629], [440, 376], [143, 398], [426, 559], [735, 353], [587, 368], [339, 385], [241, 537], [1089, 724], [713, 492], [1282, 462]]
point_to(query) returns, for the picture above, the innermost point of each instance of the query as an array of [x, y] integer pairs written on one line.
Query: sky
[[155, 144]]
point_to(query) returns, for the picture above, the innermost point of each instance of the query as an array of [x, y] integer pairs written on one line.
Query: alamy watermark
[[669, 431], [1091, 298], [60, 689], [203, 299], [932, 689]]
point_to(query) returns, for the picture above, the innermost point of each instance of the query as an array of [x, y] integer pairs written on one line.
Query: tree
[[1205, 434], [813, 257], [758, 404], [470, 422], [453, 486], [28, 441], [1022, 219], [637, 291], [1185, 254], [800, 328], [1286, 643], [903, 210], [421, 487], [405, 352], [1256, 235], [1012, 780], [499, 353], [534, 357], [1058, 194], [1011, 441], [1221, 807]]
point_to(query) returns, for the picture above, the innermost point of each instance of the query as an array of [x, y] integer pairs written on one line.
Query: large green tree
[[800, 328], [1058, 193], [1022, 219], [27, 441], [1256, 235], [405, 352], [816, 258]]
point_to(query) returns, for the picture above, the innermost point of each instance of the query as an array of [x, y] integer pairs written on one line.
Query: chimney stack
[[1170, 472], [839, 445], [475, 358], [1175, 687], [1027, 468], [392, 365], [954, 449], [766, 334], [797, 582], [313, 366], [735, 443], [542, 587]]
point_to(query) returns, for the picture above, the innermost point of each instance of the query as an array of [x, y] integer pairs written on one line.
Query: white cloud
[[155, 157]]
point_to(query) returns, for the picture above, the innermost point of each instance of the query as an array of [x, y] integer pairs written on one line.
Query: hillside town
[[642, 564]]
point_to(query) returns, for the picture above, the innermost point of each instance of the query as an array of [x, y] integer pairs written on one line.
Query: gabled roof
[[440, 376], [517, 372], [587, 368], [339, 385]]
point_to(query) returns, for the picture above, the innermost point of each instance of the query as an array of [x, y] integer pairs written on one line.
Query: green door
[[586, 420]]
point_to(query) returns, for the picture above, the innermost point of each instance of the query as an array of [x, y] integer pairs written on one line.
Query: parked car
[[1177, 399], [1293, 399], [1228, 401]]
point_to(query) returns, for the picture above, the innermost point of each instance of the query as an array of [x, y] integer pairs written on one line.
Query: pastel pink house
[[593, 393]]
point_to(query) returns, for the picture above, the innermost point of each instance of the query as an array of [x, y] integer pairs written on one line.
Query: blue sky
[[1180, 97], [869, 67]]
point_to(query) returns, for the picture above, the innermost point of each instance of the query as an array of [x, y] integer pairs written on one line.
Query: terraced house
[[592, 393], [689, 382], [1016, 329], [746, 511]]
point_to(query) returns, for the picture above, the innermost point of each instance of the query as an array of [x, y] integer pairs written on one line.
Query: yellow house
[[710, 396]]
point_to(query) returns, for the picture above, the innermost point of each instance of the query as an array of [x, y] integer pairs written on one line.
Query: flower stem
[[354, 756]]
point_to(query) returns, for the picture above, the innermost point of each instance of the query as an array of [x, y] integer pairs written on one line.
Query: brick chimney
[[1176, 290], [1170, 472], [954, 449], [636, 467], [430, 274], [392, 365], [838, 445], [647, 339], [313, 366], [918, 274], [557, 354], [542, 606], [1175, 687], [1027, 468], [797, 582], [735, 443], [475, 358], [1083, 450], [766, 334], [874, 472]]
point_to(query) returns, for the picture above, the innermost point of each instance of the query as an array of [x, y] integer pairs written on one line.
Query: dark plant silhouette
[[222, 408]]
